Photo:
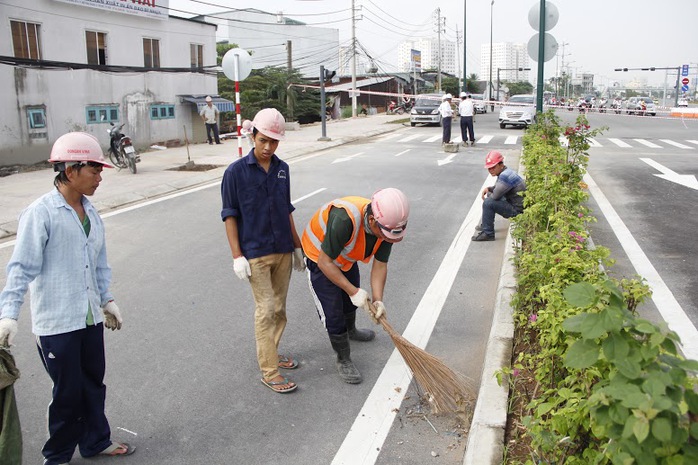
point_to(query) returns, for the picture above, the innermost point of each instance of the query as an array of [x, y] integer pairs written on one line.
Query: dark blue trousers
[[446, 123], [466, 127], [75, 362], [331, 302]]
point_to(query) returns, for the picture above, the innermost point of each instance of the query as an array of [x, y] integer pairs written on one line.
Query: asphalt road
[[183, 383]]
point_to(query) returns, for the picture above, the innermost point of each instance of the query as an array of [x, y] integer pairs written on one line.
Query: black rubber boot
[[357, 334], [345, 367]]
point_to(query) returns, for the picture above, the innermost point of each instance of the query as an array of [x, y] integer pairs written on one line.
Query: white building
[[76, 65], [266, 36], [429, 55], [507, 58]]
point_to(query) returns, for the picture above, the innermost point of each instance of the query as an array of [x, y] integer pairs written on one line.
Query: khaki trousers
[[270, 278]]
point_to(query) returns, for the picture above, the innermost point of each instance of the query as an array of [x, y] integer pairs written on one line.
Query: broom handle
[[382, 320]]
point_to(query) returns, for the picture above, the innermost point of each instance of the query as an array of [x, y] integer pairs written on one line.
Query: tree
[[450, 85], [470, 84], [519, 87]]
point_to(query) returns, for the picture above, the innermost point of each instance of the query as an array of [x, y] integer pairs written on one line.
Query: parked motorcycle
[[616, 105], [404, 107], [121, 151]]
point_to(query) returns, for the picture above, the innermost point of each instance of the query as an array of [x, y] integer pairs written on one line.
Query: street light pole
[[653, 68], [465, 8], [490, 74]]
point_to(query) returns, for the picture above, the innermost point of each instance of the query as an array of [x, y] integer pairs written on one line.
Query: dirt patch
[[191, 166], [14, 169]]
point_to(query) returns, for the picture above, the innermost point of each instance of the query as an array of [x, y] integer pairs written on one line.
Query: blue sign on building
[[684, 70]]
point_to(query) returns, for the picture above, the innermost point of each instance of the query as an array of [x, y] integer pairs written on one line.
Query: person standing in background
[[446, 118], [466, 110], [209, 114]]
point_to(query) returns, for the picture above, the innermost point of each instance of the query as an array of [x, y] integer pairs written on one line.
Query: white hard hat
[[463, 94], [271, 123], [77, 147], [209, 99], [446, 97]]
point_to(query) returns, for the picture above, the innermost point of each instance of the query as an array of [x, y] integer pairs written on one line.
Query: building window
[[26, 40], [96, 47], [102, 114], [151, 53], [37, 118], [162, 111], [197, 55]]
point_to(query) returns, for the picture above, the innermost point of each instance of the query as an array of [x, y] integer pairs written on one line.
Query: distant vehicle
[[426, 109], [479, 103], [634, 106], [683, 102], [520, 110]]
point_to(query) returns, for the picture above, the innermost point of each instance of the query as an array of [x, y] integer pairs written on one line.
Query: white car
[[479, 103], [683, 102], [520, 110]]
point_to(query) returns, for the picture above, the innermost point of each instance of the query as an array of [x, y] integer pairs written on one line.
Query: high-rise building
[[429, 55], [507, 58]]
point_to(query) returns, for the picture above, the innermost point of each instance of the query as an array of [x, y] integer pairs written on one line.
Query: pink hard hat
[[271, 123], [493, 158], [79, 147], [391, 208]]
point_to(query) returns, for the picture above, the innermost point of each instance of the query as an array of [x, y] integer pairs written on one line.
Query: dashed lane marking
[[676, 144], [409, 138], [485, 139], [648, 143], [510, 140], [620, 143]]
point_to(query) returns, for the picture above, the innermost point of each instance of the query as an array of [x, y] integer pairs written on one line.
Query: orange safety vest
[[355, 249]]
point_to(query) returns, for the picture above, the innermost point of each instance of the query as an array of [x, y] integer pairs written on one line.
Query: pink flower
[[533, 318], [515, 373]]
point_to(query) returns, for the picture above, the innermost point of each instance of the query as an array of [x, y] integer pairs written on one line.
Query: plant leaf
[[641, 429], [628, 368], [580, 294], [661, 429], [582, 354], [615, 347]]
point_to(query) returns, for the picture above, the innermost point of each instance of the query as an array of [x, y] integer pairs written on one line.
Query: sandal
[[287, 363], [117, 449], [273, 385]]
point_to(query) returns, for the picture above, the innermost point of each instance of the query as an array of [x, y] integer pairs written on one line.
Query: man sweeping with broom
[[341, 233]]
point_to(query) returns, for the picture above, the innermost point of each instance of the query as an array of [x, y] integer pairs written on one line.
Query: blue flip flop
[[284, 362], [272, 385]]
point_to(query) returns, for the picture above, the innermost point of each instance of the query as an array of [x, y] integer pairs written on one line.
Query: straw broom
[[446, 390]]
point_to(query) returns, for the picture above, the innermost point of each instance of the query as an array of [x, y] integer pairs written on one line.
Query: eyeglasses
[[396, 231]]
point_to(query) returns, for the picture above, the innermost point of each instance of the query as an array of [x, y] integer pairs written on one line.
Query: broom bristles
[[447, 390]]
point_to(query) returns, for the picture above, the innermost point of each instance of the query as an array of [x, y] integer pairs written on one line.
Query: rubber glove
[[8, 329], [360, 299], [380, 311], [242, 267], [298, 260], [112, 316]]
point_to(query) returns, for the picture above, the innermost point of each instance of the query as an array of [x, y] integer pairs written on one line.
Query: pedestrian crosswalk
[[497, 139]]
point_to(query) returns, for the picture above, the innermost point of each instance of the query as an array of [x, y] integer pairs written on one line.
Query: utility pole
[[353, 60], [458, 50], [438, 61], [289, 67], [465, 28]]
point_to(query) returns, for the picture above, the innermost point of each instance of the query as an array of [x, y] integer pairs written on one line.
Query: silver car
[[520, 110], [634, 106], [479, 103]]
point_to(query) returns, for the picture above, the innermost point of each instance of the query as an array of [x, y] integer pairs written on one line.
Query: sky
[[599, 35]]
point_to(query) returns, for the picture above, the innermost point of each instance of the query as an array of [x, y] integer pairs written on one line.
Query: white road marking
[[663, 298], [433, 139], [411, 137], [366, 436], [511, 140], [447, 160], [390, 136], [401, 153], [693, 141], [593, 143], [687, 180], [620, 143], [676, 144], [648, 143], [343, 159], [485, 139], [308, 195], [457, 140]]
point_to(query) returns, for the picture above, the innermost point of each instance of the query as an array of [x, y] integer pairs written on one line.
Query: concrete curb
[[486, 437]]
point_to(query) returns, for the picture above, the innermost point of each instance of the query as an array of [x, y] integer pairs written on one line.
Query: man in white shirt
[[466, 110], [446, 118], [209, 114]]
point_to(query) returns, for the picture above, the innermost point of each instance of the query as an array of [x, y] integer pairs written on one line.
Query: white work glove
[[8, 329], [380, 311], [360, 299], [298, 261], [242, 267], [112, 316]]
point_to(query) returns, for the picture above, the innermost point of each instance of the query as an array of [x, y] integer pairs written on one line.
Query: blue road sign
[[684, 88], [684, 70]]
